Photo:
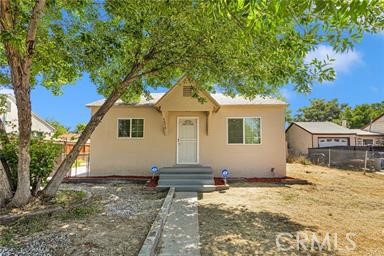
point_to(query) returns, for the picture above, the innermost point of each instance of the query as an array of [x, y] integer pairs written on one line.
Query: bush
[[298, 159], [44, 154]]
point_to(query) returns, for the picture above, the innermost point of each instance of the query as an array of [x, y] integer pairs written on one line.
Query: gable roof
[[374, 120], [35, 116], [221, 99], [218, 99], [322, 128], [366, 133], [184, 78]]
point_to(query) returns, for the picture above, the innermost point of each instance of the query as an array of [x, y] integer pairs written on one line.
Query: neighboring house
[[377, 125], [10, 119], [245, 136], [303, 135]]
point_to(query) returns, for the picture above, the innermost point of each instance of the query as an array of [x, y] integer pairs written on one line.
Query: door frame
[[197, 138]]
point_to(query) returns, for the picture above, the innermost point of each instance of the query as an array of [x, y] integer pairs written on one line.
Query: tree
[[129, 46], [36, 47], [288, 115], [252, 48], [80, 127], [60, 129], [320, 110], [362, 115]]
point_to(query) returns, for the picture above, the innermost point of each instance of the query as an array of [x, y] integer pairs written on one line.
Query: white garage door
[[331, 142]]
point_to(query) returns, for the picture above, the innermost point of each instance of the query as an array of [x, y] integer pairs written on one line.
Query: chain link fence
[[357, 158], [80, 167]]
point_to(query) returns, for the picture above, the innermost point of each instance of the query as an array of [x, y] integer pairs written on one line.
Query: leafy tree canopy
[[80, 128], [55, 48], [247, 47], [60, 129], [320, 110]]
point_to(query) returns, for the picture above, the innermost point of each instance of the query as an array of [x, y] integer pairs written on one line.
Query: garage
[[332, 142]]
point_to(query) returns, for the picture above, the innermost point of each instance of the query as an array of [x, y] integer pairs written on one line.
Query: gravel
[[125, 216], [38, 245]]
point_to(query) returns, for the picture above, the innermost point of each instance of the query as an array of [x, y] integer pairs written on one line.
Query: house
[[377, 125], [174, 129], [303, 135], [10, 118]]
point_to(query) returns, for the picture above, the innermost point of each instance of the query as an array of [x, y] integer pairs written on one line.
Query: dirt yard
[[248, 218], [116, 222]]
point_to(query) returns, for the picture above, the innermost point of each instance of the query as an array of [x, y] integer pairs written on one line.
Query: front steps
[[187, 178]]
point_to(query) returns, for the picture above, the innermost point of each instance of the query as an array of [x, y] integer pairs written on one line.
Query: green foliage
[[249, 47], [288, 115], [67, 198], [79, 212], [6, 237], [55, 51], [320, 110], [44, 154], [363, 114], [3, 104], [80, 128], [59, 128]]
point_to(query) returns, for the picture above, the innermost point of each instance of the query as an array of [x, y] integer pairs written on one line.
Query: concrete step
[[170, 176], [189, 170], [192, 188], [180, 181]]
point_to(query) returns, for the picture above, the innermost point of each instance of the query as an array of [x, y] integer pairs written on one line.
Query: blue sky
[[360, 79]]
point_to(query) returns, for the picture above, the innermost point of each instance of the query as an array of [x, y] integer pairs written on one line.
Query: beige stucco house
[[175, 129], [303, 135]]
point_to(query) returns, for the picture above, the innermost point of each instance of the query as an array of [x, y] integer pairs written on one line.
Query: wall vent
[[187, 91]]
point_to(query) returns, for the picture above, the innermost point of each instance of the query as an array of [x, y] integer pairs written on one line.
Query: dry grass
[[246, 219]]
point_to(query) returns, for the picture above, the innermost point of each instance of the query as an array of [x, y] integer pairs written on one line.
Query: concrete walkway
[[181, 231]]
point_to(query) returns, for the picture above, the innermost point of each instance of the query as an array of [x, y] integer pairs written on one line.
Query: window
[[368, 142], [131, 128], [244, 130]]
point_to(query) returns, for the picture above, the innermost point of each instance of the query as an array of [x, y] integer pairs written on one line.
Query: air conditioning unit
[[379, 164]]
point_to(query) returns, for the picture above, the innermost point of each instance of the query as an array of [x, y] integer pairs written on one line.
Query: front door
[[187, 140]]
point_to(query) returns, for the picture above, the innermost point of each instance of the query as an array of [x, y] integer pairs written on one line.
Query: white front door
[[187, 140]]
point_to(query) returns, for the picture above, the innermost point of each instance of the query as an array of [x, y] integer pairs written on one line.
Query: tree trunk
[[65, 166], [36, 186], [5, 189], [20, 64], [23, 192], [4, 140]]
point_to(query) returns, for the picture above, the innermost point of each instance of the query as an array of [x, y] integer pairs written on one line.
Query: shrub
[[44, 154], [299, 159]]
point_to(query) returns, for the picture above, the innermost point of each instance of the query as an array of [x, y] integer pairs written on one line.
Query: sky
[[359, 79]]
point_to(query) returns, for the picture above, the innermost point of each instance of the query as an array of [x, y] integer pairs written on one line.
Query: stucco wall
[[115, 156], [298, 140]]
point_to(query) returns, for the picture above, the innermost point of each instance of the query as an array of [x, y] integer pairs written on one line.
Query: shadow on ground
[[238, 231]]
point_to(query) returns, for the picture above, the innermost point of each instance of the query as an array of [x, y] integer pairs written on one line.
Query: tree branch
[[37, 13]]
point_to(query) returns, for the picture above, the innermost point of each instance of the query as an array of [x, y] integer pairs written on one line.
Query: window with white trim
[[130, 128], [245, 130]]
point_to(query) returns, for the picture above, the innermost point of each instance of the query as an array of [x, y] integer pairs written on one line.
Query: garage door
[[331, 142]]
